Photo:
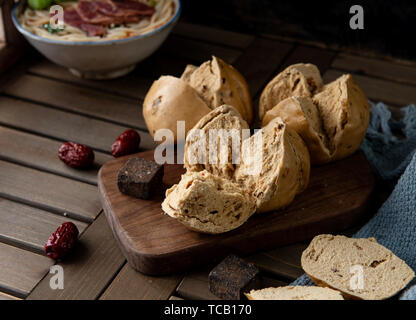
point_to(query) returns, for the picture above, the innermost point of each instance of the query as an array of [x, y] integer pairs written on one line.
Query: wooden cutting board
[[156, 244]]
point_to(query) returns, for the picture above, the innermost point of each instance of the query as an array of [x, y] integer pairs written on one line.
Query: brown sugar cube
[[232, 277], [140, 177]]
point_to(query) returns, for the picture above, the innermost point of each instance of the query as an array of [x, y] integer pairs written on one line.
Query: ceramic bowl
[[99, 59]]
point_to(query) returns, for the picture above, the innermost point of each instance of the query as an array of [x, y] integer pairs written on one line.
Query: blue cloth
[[394, 225], [388, 154]]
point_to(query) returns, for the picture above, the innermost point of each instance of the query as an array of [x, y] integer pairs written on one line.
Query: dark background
[[390, 26]]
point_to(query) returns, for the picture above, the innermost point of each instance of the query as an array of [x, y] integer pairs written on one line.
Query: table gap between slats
[[5, 297], [63, 126], [89, 270], [28, 227], [381, 69], [21, 270], [41, 153], [76, 100], [211, 35], [132, 285], [49, 192]]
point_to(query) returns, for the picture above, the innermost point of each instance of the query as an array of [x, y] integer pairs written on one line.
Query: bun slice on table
[[294, 293], [332, 261]]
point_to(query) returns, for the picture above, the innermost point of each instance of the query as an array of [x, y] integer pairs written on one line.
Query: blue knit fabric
[[388, 154], [394, 225]]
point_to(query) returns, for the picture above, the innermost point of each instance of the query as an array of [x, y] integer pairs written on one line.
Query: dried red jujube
[[127, 143], [62, 241], [76, 155]]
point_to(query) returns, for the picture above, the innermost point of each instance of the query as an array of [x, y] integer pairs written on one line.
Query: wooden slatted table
[[42, 105]]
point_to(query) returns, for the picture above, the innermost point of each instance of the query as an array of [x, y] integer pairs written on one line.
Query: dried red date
[[127, 143], [76, 155], [62, 241]]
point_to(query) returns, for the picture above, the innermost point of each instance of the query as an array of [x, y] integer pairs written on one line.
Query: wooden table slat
[[209, 34], [289, 254], [134, 85], [377, 90], [49, 192], [42, 153], [132, 285], [89, 269], [63, 126], [131, 85], [21, 270], [197, 51], [371, 67], [28, 227], [260, 61], [78, 99], [5, 296], [317, 56], [275, 267], [194, 286]]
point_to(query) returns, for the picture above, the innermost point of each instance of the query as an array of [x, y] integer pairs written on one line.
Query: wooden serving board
[[156, 244]]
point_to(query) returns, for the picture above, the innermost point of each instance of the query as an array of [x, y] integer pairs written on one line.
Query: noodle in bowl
[[98, 57]]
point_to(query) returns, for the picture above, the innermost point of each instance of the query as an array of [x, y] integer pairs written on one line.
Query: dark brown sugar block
[[140, 177], [232, 277]]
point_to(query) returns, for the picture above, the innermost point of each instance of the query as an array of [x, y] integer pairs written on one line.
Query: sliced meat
[[131, 7], [94, 16], [124, 12], [72, 18], [108, 8], [88, 10]]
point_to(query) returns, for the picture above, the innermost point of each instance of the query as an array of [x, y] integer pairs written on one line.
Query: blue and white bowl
[[99, 59]]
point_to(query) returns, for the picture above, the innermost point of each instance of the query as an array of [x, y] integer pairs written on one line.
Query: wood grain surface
[[89, 269], [29, 227], [21, 270], [389, 70], [63, 126], [42, 153], [4, 296], [49, 192], [157, 244], [207, 34], [132, 285], [78, 99]]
